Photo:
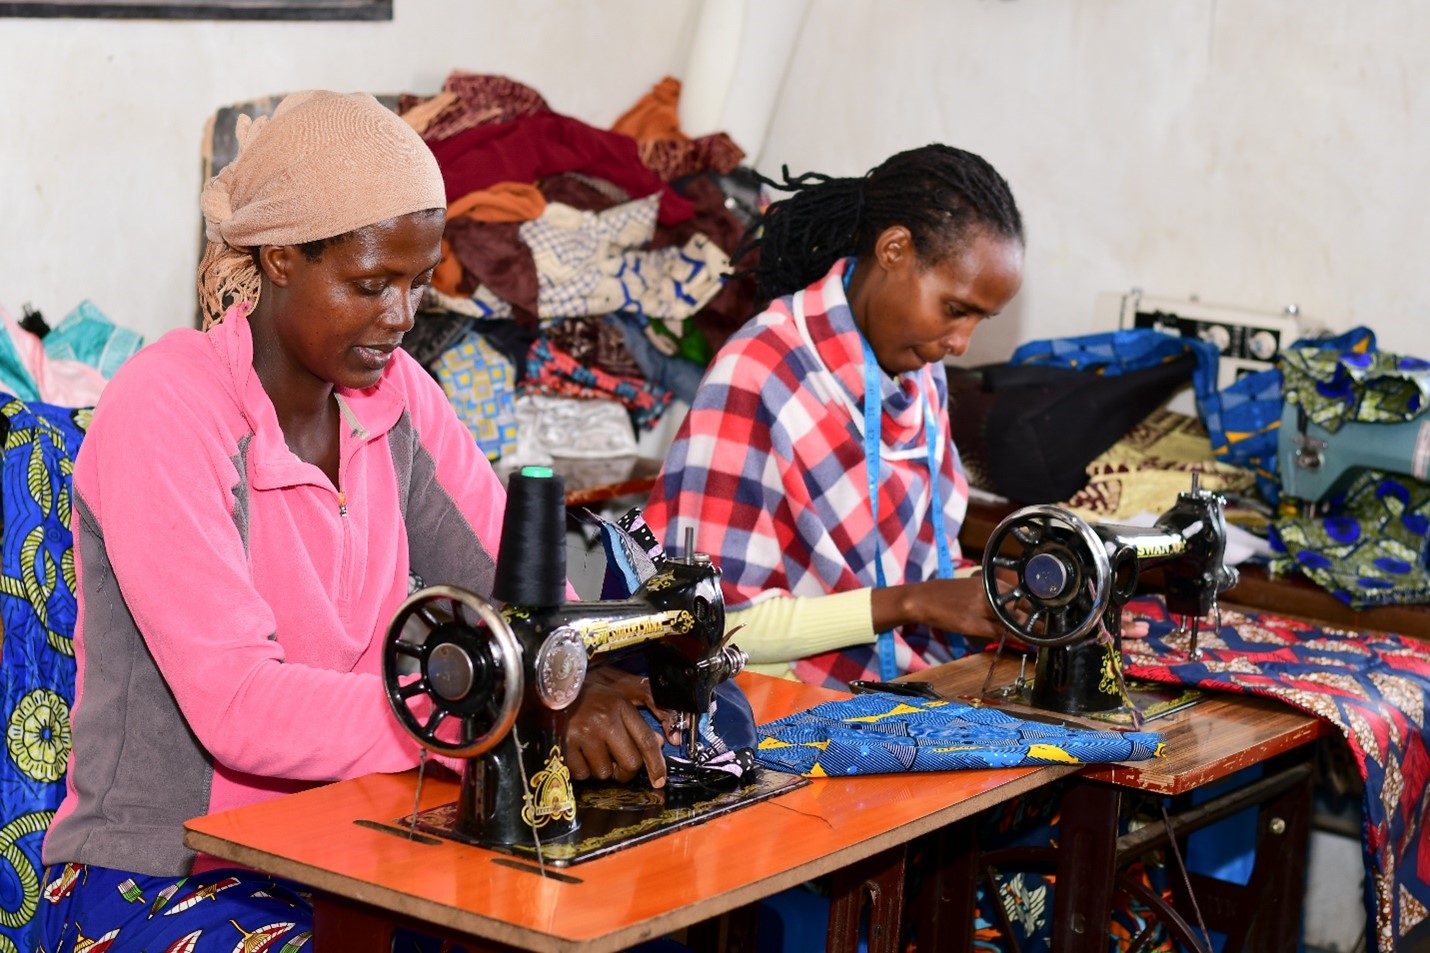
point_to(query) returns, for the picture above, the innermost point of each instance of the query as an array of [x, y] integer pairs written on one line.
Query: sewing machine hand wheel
[[469, 668], [1063, 573]]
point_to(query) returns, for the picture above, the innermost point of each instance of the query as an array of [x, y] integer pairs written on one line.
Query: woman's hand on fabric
[[606, 737]]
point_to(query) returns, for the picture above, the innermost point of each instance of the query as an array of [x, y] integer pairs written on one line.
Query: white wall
[[1255, 153], [103, 120]]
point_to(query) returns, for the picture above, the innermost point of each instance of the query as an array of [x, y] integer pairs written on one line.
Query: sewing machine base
[[1153, 699], [615, 816]]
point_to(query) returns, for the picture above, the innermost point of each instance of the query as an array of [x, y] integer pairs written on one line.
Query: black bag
[[1028, 432]]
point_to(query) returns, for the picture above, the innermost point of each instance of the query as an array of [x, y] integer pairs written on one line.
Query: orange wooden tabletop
[[1219, 735], [641, 892]]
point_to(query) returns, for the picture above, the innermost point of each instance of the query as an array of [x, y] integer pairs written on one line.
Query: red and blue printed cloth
[[1372, 686]]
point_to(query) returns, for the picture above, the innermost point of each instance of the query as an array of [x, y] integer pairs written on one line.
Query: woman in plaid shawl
[[837, 569]]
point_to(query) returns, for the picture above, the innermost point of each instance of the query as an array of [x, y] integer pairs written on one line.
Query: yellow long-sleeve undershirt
[[781, 629]]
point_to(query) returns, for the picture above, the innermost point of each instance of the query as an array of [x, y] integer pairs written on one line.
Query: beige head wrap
[[323, 165]]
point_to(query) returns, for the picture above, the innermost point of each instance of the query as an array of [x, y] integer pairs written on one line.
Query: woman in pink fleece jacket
[[249, 504]]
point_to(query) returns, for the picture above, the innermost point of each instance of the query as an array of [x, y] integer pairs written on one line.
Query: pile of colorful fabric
[[559, 232], [66, 365], [1369, 545]]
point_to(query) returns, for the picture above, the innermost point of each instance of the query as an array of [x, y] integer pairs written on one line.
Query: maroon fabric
[[533, 147], [582, 191], [493, 254], [595, 343], [673, 159], [481, 98]]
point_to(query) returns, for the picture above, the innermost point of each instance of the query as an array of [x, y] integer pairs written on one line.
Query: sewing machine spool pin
[[1072, 579]]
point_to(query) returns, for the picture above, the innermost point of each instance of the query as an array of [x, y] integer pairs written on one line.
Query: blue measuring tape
[[873, 440]]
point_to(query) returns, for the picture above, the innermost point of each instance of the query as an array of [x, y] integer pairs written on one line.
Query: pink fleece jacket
[[233, 602]]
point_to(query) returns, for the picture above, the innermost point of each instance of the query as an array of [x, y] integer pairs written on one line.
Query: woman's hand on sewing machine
[[606, 737], [949, 605]]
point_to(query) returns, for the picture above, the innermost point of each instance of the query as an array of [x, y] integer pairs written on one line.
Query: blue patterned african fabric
[[1335, 384], [1118, 352], [881, 733], [1372, 686], [1371, 551], [88, 909], [1243, 420], [37, 667]]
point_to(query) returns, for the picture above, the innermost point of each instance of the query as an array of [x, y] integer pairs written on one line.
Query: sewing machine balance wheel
[[468, 667], [1063, 575]]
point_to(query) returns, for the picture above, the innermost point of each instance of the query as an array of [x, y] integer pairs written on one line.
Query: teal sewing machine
[[1314, 464]]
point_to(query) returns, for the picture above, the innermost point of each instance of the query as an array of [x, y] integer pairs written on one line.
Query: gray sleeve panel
[[443, 548], [138, 769], [240, 490]]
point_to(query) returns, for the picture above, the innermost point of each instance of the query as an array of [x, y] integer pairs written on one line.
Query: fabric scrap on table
[[880, 733]]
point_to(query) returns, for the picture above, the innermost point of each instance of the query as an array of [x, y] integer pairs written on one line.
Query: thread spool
[[531, 563]]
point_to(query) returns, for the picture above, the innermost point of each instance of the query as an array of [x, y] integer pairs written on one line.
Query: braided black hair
[[939, 193]]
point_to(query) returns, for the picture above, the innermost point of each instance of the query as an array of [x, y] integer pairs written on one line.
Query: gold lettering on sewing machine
[[1149, 550], [609, 634], [552, 797]]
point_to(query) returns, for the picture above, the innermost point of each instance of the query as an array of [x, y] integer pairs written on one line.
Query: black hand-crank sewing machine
[[491, 683], [1072, 579]]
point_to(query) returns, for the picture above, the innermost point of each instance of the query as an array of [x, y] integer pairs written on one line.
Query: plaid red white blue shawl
[[768, 469]]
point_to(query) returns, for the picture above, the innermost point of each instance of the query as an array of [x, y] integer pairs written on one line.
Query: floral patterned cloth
[[1371, 551], [37, 669], [1337, 385]]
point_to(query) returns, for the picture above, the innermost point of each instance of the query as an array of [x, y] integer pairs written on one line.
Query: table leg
[[734, 932], [1086, 866], [1278, 878], [880, 880], [947, 899]]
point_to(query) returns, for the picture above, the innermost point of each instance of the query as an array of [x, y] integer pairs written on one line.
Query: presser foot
[[685, 782]]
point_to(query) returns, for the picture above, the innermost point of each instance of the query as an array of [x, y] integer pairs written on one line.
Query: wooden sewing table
[[367, 881], [1204, 744]]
